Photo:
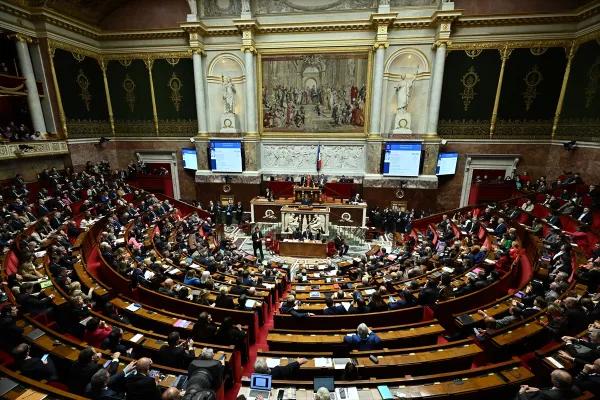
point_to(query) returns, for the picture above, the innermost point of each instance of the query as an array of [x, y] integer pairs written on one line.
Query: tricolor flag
[[319, 161]]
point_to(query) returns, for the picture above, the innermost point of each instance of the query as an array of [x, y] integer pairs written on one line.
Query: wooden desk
[[314, 193], [303, 249]]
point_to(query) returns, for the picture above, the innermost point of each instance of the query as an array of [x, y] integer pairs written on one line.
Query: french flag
[[319, 161]]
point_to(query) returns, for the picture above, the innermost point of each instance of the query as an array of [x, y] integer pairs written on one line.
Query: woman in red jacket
[[95, 332], [513, 252], [580, 238]]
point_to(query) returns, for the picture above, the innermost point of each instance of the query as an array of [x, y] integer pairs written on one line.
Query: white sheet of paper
[[273, 362], [137, 338], [322, 362], [554, 362]]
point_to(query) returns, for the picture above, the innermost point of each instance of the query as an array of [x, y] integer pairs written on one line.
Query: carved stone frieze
[[303, 158], [33, 149]]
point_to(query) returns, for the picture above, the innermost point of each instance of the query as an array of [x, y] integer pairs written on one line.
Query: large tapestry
[[325, 93]]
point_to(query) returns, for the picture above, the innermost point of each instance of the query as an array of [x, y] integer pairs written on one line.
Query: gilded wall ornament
[[594, 75], [473, 52], [173, 61], [538, 51], [125, 63], [532, 80], [84, 83], [469, 80], [175, 85], [78, 56], [129, 87]]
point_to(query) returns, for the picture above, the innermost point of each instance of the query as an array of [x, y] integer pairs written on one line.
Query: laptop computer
[[6, 385], [260, 385], [327, 383]]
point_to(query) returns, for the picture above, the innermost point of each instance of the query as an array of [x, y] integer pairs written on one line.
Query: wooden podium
[[313, 192]]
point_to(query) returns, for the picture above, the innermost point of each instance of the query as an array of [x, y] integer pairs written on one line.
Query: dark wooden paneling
[[241, 191], [419, 199]]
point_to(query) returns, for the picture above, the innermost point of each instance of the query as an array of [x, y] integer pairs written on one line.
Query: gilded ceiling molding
[[525, 44], [55, 44], [146, 56]]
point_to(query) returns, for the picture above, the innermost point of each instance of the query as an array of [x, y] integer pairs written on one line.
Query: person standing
[[229, 213], [239, 212], [257, 242]]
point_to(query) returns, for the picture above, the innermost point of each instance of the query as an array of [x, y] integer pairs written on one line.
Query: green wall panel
[[176, 109], [132, 109], [86, 112]]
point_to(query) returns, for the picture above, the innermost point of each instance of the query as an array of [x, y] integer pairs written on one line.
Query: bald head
[[561, 379], [171, 393], [143, 365]]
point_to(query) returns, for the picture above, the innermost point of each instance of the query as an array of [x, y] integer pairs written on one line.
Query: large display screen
[[190, 161], [402, 159], [446, 164], [226, 156]]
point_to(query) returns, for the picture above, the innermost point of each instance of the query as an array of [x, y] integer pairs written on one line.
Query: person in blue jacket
[[363, 339]]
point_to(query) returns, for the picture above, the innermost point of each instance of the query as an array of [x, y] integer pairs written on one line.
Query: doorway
[[158, 158], [492, 164]]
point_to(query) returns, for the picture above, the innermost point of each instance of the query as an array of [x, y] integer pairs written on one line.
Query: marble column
[[199, 88], [250, 91], [377, 92], [33, 97], [436, 89]]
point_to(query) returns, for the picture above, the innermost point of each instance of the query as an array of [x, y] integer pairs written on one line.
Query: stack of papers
[[39, 254], [315, 294], [174, 271], [250, 303], [133, 307], [137, 338], [369, 291], [322, 362]]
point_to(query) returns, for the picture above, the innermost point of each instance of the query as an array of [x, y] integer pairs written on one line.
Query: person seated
[[562, 388], [175, 354], [579, 351], [142, 386], [516, 314], [204, 328], [281, 371], [364, 339], [289, 307], [430, 293], [589, 378], [96, 331], [297, 235], [407, 299], [361, 305], [331, 308], [307, 200], [85, 367], [104, 386], [355, 199], [33, 367]]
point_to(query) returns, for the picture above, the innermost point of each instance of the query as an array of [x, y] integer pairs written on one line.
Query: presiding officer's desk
[[501, 381], [308, 248]]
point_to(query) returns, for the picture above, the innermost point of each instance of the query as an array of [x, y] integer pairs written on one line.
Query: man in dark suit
[[307, 235], [41, 209], [56, 220], [280, 371], [340, 244], [297, 235], [501, 228], [562, 388], [238, 288], [229, 213], [306, 200], [586, 217], [589, 378], [10, 332], [581, 352], [174, 353], [85, 367], [142, 386], [32, 304], [239, 212], [331, 309], [576, 316], [257, 242], [103, 386], [223, 300], [33, 367]]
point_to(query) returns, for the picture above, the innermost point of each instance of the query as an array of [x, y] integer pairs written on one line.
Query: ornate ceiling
[[94, 11]]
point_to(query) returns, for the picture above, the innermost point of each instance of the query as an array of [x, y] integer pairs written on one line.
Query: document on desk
[[323, 362], [273, 362], [133, 307], [340, 363], [137, 338], [250, 303], [554, 362], [369, 291]]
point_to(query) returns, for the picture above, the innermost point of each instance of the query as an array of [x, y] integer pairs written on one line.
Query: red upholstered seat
[[331, 250], [12, 264]]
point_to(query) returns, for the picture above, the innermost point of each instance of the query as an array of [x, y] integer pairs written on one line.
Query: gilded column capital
[[383, 45], [149, 63], [199, 51], [505, 53], [248, 49], [20, 38], [441, 43]]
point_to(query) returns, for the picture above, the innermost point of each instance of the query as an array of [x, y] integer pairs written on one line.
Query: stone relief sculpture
[[407, 3], [245, 6], [317, 224], [290, 222], [213, 8], [279, 6], [295, 157]]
